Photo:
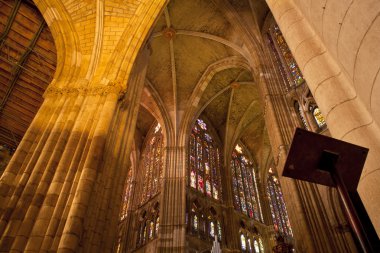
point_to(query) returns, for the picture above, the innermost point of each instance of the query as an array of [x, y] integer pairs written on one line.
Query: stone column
[[339, 97], [62, 189], [173, 201], [280, 129]]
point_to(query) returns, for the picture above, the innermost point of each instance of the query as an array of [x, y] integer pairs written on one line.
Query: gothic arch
[[66, 40]]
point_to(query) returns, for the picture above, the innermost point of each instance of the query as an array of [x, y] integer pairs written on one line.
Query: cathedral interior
[[164, 126]]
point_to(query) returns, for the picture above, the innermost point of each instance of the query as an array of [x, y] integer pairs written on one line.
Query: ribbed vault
[[197, 67]]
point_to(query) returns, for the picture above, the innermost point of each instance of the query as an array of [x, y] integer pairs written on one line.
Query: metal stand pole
[[352, 216]]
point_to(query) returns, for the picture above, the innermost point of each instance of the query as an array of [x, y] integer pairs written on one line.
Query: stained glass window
[[151, 229], [144, 233], [127, 195], [261, 245], [152, 163], [244, 185], [290, 71], [219, 231], [285, 60], [204, 161], [195, 222], [212, 229], [277, 205], [243, 242], [256, 246], [157, 226], [249, 245], [319, 119]]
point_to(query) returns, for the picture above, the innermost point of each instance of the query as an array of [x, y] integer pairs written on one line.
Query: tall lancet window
[[244, 184], [204, 161], [277, 205], [127, 195], [288, 65], [291, 73], [152, 163]]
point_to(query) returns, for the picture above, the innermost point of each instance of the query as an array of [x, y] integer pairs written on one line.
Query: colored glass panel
[[151, 229], [249, 245], [157, 225], [243, 242], [152, 163], [277, 205], [195, 222], [295, 76], [256, 246], [219, 231], [319, 117], [212, 229], [261, 245], [127, 195], [204, 161], [244, 184]]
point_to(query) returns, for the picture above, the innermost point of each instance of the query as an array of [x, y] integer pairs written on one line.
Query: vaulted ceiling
[[196, 57], [27, 65]]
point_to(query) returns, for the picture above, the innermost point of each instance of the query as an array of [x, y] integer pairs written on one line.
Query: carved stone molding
[[111, 87]]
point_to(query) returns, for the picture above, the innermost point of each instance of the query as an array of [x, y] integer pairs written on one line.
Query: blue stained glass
[[208, 137], [202, 124]]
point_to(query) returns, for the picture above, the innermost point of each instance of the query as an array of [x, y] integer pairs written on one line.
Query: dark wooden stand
[[323, 160]]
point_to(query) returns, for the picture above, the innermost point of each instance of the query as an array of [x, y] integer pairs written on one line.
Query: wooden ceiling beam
[[14, 125], [10, 20], [10, 139], [18, 70]]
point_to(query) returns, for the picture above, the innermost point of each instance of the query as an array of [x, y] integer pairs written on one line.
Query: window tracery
[[301, 115], [243, 242], [317, 115], [204, 161], [127, 195], [148, 224], [204, 224], [292, 75], [287, 65], [250, 241], [244, 184], [152, 163], [277, 205]]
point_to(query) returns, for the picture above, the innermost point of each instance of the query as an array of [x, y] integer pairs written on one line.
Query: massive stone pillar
[[330, 55], [62, 189]]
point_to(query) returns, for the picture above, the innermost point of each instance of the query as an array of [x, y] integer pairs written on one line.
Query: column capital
[[110, 88]]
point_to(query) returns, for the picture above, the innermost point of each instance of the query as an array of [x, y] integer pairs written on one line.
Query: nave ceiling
[[27, 64], [201, 44], [196, 59]]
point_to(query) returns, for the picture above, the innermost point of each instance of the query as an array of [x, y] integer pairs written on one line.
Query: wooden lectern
[[324, 160]]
